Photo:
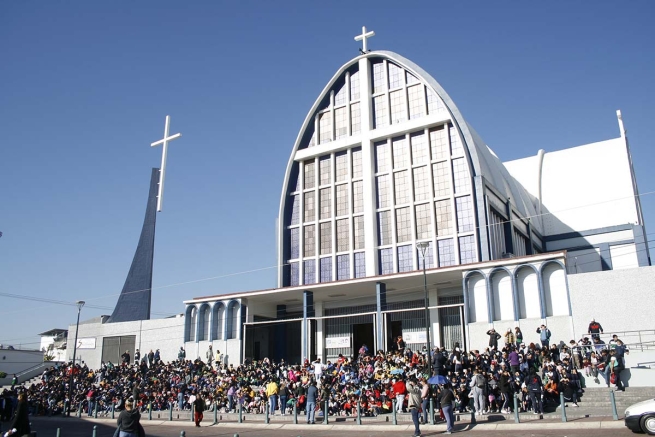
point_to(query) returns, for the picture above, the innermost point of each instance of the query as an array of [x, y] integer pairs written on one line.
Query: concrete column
[[307, 311], [381, 304], [435, 332], [320, 332]]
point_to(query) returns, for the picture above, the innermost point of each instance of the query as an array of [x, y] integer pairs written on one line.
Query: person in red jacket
[[400, 390]]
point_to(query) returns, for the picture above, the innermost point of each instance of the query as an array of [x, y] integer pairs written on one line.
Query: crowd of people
[[481, 381]]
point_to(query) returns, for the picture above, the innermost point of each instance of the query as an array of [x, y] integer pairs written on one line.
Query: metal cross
[[162, 171], [363, 38]]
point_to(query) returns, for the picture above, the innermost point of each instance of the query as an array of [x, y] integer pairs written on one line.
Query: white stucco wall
[[528, 292], [620, 300], [501, 285], [595, 192], [167, 335], [15, 361], [478, 299]]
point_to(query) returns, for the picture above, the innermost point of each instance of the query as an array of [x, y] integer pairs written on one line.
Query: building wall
[[167, 335], [620, 300], [15, 361]]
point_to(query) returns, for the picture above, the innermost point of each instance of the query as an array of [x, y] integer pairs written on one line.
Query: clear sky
[[85, 87]]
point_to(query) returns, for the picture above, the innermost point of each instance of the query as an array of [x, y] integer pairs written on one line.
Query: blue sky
[[85, 87]]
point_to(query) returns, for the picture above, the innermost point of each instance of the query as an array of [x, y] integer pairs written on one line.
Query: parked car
[[640, 417]]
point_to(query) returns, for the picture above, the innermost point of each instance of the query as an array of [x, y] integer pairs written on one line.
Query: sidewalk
[[528, 425]]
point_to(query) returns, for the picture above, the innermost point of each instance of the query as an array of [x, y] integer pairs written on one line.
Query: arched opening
[[502, 295], [218, 318], [203, 322], [555, 292], [477, 298], [190, 323], [527, 289], [232, 321]]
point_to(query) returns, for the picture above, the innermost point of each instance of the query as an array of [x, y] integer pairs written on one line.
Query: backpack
[[533, 385], [480, 381]]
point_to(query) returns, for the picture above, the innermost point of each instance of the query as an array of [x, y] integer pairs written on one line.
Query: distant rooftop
[[53, 332]]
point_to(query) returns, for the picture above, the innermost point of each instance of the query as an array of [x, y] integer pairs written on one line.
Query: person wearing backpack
[[478, 384], [544, 336], [534, 386]]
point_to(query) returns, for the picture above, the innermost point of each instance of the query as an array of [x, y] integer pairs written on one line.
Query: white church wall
[[528, 292], [477, 299], [477, 336], [620, 300], [560, 328], [503, 299], [598, 193], [554, 283], [624, 256], [233, 351]]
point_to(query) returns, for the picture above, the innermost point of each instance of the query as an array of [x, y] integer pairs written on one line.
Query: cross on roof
[[363, 38], [162, 171]]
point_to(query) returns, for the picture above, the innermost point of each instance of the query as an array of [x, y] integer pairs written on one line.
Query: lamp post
[[80, 304], [423, 246]]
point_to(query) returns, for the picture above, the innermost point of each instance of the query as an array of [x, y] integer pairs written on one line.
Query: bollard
[[267, 419], [295, 413], [517, 419], [562, 405], [95, 430], [182, 434], [615, 414], [150, 411], [236, 435], [393, 406], [325, 413], [95, 410], [215, 413], [170, 412], [192, 411], [112, 410], [431, 411], [240, 413], [58, 432], [79, 410], [359, 412]]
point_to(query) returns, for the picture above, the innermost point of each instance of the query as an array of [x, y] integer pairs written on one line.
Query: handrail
[[647, 362], [43, 363]]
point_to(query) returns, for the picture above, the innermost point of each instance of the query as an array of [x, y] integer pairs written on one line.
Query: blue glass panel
[[360, 265], [446, 252], [295, 243], [405, 262], [386, 261], [343, 267], [294, 278], [464, 210], [295, 210], [309, 267], [326, 269], [467, 249]]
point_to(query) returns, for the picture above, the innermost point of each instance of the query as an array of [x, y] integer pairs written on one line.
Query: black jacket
[[21, 421], [129, 421]]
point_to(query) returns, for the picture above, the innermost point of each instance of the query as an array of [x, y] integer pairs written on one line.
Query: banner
[[86, 343], [335, 342], [414, 337]]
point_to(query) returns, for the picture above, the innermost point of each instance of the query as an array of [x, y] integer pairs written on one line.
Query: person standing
[[137, 356], [210, 356], [284, 394], [518, 334], [414, 403], [535, 387], [425, 398], [544, 336], [447, 400], [199, 407], [126, 358], [20, 425], [493, 338], [181, 355], [595, 329], [129, 421], [478, 385], [312, 394], [400, 390], [272, 391]]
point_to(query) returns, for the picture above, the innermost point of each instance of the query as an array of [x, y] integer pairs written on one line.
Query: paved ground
[[47, 427]]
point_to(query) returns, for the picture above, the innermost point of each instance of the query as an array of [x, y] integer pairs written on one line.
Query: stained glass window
[[382, 161], [401, 184], [416, 101], [383, 191], [310, 214], [325, 127], [435, 105], [341, 96], [384, 227], [324, 170], [397, 106], [357, 163], [395, 76], [343, 267], [295, 209], [386, 261], [405, 262], [354, 86], [358, 197], [464, 209], [403, 225], [380, 111], [360, 265], [462, 179], [439, 143], [341, 122], [441, 178], [378, 78], [355, 119], [309, 267], [423, 221], [444, 217], [326, 269], [310, 240], [421, 184], [400, 153], [342, 166], [359, 232], [343, 233], [446, 250], [429, 257], [326, 238], [467, 249], [310, 176], [294, 238], [419, 148], [326, 202], [342, 200], [294, 274], [455, 144]]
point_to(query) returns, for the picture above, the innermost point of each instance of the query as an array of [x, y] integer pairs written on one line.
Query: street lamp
[[423, 246], [80, 304]]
